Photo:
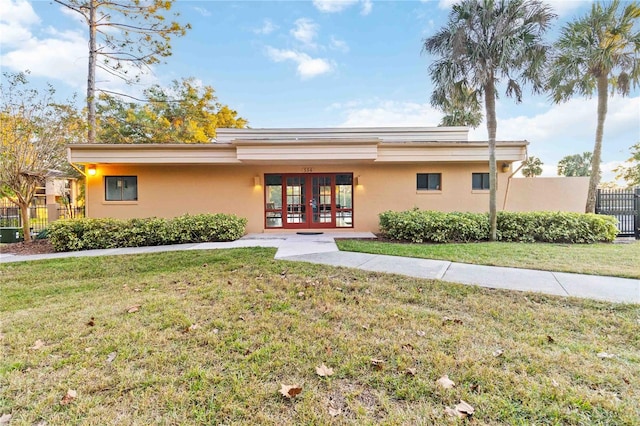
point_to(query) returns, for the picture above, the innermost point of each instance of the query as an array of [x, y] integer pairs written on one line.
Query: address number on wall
[[307, 169]]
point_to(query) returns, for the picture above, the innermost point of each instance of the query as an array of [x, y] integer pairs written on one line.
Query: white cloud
[[305, 31], [379, 113], [202, 11], [334, 6], [308, 67], [339, 45], [267, 28], [444, 4], [560, 7], [15, 19]]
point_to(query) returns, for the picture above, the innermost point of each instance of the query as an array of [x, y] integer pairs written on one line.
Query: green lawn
[[618, 260], [217, 333]]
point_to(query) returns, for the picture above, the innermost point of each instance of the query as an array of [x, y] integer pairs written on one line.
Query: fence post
[[636, 220]]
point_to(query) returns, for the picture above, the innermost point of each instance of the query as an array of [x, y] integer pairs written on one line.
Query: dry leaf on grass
[[446, 382], [550, 339], [133, 308], [462, 410], [193, 326], [410, 371], [324, 371], [69, 397], [91, 322], [333, 412], [421, 333], [112, 356], [39, 344], [604, 355], [5, 419], [378, 364], [290, 391], [498, 353]]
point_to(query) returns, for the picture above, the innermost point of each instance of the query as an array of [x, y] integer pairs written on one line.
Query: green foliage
[[532, 167], [86, 234], [575, 165], [420, 226], [185, 112], [631, 172]]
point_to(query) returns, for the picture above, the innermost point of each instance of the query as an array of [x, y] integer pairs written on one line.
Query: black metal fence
[[38, 214], [624, 205]]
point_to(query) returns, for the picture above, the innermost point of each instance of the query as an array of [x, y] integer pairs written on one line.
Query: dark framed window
[[429, 181], [121, 188], [480, 181]]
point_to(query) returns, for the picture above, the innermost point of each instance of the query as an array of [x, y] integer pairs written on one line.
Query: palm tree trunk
[[594, 179], [91, 79], [492, 125]]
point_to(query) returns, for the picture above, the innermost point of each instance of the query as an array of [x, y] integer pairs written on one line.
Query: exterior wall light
[[357, 180], [505, 167], [91, 170], [256, 181]]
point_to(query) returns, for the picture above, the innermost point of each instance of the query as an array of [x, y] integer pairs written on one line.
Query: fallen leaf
[[473, 387], [445, 382], [465, 409], [378, 364], [333, 412], [421, 333], [215, 331], [550, 339], [259, 291], [133, 308], [554, 383], [445, 320], [324, 371], [290, 391], [69, 397], [410, 371], [229, 282], [605, 355], [137, 290], [407, 347], [462, 410], [204, 265], [39, 344], [91, 322], [111, 357], [498, 353], [88, 349], [193, 326], [301, 294], [4, 419]]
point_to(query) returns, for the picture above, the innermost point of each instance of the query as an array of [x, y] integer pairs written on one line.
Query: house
[[312, 179]]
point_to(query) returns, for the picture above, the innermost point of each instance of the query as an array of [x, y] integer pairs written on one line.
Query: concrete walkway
[[322, 249]]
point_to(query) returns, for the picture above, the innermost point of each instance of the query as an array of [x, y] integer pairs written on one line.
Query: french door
[[309, 201]]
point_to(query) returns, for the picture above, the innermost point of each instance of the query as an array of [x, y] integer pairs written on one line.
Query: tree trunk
[[492, 125], [24, 214], [91, 79], [594, 179]]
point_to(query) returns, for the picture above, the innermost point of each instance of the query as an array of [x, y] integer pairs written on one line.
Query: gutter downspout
[[506, 193]]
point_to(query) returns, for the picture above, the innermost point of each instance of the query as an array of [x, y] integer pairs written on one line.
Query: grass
[[218, 332], [616, 260]]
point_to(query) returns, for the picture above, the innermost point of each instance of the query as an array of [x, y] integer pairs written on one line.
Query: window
[[121, 188], [480, 181], [273, 201], [429, 181]]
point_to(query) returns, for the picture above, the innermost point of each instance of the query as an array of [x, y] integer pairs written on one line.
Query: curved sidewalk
[[323, 250]]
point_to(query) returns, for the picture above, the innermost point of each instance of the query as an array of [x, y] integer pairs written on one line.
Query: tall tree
[[575, 165], [532, 167], [33, 134], [125, 37], [595, 53], [185, 112], [630, 173], [461, 106], [483, 43]]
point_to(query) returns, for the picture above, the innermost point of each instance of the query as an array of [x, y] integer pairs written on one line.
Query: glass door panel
[[296, 200], [321, 200]]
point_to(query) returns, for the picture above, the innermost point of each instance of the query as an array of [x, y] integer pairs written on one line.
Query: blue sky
[[317, 64]]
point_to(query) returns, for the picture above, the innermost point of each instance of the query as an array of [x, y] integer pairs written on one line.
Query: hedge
[[420, 226], [86, 234]]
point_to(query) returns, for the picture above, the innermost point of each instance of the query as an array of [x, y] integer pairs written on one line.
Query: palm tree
[[595, 52], [461, 106], [483, 43], [532, 167]]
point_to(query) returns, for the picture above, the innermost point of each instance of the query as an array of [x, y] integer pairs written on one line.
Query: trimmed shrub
[[420, 226], [85, 234]]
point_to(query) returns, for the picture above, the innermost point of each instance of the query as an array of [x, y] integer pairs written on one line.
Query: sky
[[319, 63]]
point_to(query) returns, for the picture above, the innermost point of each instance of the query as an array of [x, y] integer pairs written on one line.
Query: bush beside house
[[419, 226], [86, 234]]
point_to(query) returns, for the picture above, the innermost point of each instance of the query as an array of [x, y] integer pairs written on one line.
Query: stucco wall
[[547, 194], [172, 190]]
